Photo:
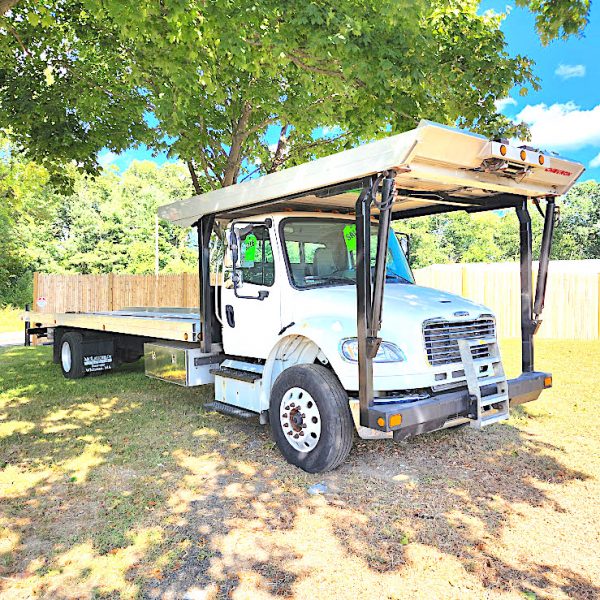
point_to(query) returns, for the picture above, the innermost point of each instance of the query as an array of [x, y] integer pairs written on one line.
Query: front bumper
[[433, 412]]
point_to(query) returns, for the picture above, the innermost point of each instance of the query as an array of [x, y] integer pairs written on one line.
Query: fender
[[295, 349], [306, 342]]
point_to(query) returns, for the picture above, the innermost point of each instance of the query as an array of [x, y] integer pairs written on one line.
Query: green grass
[[122, 487], [9, 319]]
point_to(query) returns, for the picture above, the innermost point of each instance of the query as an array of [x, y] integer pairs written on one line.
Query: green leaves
[[558, 19], [79, 76]]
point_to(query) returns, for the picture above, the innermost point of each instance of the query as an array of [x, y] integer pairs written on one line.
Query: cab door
[[250, 296]]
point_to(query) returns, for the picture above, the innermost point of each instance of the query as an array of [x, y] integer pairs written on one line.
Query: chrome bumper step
[[491, 408]]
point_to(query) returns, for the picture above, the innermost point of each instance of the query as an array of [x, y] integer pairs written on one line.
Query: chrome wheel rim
[[300, 419], [65, 356]]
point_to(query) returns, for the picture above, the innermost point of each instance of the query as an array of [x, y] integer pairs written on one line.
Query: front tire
[[71, 355], [310, 418]]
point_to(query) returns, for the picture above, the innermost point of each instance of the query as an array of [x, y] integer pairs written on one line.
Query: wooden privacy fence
[[89, 293], [571, 311]]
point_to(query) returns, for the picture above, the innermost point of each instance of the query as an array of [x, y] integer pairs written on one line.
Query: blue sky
[[564, 115]]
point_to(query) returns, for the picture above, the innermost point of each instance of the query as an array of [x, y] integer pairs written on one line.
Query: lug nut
[[304, 425], [284, 415], [286, 424], [301, 433]]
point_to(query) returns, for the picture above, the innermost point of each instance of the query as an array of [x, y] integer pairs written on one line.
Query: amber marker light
[[503, 150], [381, 421], [541, 159], [548, 381], [523, 155], [395, 420]]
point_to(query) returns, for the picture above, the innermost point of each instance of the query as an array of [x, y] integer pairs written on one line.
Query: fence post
[[36, 276], [27, 324], [110, 291]]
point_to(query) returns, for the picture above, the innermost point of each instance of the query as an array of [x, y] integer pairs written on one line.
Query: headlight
[[387, 352]]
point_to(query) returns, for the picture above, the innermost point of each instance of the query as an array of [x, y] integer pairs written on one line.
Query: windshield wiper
[[336, 279], [397, 277]]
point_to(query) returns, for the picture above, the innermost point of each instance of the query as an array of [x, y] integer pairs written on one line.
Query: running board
[[239, 374], [493, 407], [228, 409]]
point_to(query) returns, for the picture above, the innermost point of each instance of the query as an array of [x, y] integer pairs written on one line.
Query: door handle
[[229, 315]]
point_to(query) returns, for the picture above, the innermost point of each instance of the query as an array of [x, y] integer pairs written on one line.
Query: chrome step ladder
[[493, 407]]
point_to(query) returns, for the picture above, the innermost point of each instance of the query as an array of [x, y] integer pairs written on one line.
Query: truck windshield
[[322, 252]]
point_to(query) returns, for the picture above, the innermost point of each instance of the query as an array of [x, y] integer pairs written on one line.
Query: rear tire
[[71, 355], [310, 418]]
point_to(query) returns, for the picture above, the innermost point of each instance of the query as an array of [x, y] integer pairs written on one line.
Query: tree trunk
[[239, 135], [194, 176]]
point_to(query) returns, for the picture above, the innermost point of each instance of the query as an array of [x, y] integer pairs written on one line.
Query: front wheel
[[310, 418]]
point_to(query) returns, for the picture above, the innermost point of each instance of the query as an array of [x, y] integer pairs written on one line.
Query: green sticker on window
[[250, 244], [350, 237]]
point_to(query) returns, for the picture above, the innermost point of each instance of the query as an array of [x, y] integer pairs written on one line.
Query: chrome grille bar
[[441, 339]]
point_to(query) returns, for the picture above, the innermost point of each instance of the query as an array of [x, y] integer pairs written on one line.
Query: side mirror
[[404, 241]]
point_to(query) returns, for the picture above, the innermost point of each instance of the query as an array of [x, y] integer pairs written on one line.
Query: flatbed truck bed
[[182, 325]]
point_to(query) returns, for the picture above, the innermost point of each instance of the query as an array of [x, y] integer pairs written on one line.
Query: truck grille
[[441, 339]]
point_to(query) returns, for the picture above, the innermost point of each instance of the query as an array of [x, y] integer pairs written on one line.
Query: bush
[[19, 292]]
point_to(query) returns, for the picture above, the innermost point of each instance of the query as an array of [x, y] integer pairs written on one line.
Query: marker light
[[387, 352], [541, 159], [395, 420], [503, 150], [523, 155]]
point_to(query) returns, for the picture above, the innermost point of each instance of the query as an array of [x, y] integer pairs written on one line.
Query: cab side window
[[256, 253]]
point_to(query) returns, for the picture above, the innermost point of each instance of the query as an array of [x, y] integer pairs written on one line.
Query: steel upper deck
[[437, 168]]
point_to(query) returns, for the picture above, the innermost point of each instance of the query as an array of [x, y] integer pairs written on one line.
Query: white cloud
[[562, 126], [503, 103], [569, 71], [107, 158], [595, 162]]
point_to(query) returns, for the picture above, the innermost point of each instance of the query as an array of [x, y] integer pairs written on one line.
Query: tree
[[106, 224], [578, 235], [78, 76], [558, 18]]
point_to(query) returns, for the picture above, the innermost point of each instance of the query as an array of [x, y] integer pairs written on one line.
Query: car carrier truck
[[313, 322]]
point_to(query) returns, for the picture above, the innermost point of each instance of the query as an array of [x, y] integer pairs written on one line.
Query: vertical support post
[[540, 290], [527, 323], [27, 341], [204, 227], [385, 219], [363, 301]]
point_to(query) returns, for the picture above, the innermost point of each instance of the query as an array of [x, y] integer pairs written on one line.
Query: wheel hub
[[300, 419], [65, 356]]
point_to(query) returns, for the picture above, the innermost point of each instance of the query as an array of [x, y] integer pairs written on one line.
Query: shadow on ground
[[122, 487]]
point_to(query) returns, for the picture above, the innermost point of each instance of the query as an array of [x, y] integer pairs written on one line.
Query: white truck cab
[[304, 264], [314, 322]]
